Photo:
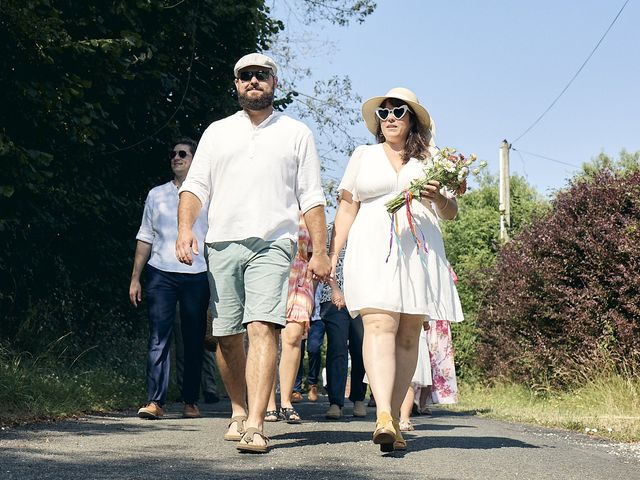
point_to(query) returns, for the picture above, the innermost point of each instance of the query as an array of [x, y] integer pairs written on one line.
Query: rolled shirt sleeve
[[145, 233], [308, 183], [198, 179]]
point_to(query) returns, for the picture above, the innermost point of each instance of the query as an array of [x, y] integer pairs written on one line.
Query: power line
[[546, 158], [574, 77], [524, 167]]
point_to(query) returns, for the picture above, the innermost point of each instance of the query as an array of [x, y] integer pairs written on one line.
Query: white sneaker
[[334, 412], [359, 409]]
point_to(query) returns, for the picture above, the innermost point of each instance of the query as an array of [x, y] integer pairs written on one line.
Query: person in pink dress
[[300, 303]]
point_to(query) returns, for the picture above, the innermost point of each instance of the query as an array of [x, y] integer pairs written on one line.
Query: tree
[[626, 164], [329, 105], [91, 94]]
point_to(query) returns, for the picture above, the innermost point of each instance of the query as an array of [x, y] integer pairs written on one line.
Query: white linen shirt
[[256, 179], [160, 228]]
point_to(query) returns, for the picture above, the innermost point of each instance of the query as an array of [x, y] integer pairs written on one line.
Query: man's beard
[[251, 103]]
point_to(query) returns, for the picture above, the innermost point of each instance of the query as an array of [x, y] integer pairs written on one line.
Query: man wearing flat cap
[[257, 169]]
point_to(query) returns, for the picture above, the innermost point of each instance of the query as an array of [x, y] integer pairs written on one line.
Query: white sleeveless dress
[[409, 282]]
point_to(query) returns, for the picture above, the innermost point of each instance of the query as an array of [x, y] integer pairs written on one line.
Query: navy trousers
[[344, 334], [164, 290]]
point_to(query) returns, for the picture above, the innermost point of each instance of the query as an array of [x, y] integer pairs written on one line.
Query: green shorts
[[248, 280]]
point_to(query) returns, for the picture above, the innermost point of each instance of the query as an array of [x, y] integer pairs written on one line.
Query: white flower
[[462, 174], [449, 166]]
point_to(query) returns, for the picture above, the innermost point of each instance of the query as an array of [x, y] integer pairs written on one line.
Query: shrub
[[565, 293], [472, 242]]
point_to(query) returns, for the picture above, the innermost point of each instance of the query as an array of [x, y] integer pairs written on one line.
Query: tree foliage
[[565, 293], [91, 96]]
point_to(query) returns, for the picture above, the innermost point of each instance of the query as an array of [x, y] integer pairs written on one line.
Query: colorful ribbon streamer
[[408, 196]]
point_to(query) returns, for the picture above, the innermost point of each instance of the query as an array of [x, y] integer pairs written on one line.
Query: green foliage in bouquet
[[447, 167]]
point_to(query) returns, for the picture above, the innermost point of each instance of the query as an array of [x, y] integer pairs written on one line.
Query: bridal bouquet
[[448, 167]]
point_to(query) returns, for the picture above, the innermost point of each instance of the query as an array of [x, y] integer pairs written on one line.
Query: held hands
[[431, 192], [185, 245], [319, 267]]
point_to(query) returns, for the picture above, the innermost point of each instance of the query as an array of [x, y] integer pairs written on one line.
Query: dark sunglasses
[[397, 112], [181, 154], [261, 75]]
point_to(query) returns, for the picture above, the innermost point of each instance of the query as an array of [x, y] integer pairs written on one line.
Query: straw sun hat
[[404, 94]]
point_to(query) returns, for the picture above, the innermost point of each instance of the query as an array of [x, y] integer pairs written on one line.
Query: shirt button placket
[[252, 144]]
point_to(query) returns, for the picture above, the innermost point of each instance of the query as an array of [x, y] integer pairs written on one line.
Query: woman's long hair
[[417, 144]]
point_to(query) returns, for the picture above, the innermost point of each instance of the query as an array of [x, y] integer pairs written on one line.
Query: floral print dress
[[300, 300]]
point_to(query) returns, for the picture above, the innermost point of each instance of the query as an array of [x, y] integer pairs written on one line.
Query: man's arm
[[143, 251], [319, 266], [188, 210]]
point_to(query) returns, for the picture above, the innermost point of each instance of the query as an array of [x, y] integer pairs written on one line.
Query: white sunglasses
[[397, 112]]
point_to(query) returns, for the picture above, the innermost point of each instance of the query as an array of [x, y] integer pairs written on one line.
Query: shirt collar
[[265, 122]]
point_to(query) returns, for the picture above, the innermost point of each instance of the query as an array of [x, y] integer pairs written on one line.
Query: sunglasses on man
[[397, 112], [261, 75], [180, 153]]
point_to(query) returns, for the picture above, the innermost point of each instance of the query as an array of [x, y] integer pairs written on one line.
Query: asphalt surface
[[445, 445]]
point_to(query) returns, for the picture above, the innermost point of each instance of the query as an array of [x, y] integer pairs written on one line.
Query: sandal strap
[[239, 419], [247, 437], [289, 412]]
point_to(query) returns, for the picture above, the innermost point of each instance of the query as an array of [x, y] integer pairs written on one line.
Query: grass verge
[[607, 406], [40, 388]]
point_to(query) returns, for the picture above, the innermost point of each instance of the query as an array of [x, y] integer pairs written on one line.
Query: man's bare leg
[[231, 363], [260, 372]]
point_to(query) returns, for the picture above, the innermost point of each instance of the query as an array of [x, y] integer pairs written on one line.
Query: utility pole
[[505, 213]]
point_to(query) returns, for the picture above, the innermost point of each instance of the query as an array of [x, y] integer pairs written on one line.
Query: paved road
[[444, 446]]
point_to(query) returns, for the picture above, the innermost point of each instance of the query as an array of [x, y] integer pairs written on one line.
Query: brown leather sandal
[[246, 444], [236, 437]]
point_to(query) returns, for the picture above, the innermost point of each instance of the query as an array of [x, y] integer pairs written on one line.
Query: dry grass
[[606, 406]]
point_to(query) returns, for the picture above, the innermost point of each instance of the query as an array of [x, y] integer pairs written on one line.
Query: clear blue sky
[[486, 70]]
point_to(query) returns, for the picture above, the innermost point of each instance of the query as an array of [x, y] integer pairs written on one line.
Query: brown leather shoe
[[191, 410], [151, 411], [312, 394], [296, 397]]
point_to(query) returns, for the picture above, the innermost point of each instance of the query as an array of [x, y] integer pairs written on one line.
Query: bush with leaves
[[565, 293], [472, 243]]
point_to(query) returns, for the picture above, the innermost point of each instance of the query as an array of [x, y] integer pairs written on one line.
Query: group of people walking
[[241, 230]]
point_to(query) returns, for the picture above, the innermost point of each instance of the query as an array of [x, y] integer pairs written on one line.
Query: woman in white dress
[[391, 280]]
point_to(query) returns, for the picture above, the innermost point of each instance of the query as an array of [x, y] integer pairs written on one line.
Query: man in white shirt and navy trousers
[[169, 282]]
